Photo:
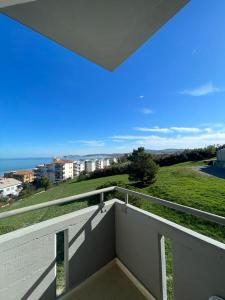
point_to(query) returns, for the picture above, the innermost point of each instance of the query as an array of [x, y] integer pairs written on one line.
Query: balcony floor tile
[[110, 284]]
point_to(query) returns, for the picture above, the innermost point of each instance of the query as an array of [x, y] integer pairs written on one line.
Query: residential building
[[50, 169], [113, 160], [220, 161], [10, 187], [25, 176], [90, 166], [63, 169], [45, 170], [106, 162], [58, 170], [78, 167], [99, 164], [40, 171]]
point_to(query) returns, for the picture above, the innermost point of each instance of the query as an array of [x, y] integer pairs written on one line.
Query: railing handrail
[[178, 207], [25, 209]]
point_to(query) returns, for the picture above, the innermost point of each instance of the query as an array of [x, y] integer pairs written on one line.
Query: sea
[[14, 164]]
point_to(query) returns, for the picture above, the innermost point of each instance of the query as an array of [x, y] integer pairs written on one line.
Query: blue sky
[[168, 94]]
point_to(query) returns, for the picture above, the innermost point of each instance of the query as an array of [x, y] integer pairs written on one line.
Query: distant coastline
[[14, 164]]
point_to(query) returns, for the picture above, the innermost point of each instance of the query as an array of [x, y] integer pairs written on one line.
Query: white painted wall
[[90, 166], [221, 155], [68, 168], [99, 164]]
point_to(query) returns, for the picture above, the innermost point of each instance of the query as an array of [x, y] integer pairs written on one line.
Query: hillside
[[178, 183]]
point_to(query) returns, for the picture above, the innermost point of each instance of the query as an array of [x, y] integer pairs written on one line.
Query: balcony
[[111, 251]]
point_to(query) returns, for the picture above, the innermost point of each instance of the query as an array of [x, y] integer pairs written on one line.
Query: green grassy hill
[[178, 183]]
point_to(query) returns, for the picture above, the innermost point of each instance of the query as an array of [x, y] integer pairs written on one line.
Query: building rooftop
[[7, 182], [24, 172], [62, 161]]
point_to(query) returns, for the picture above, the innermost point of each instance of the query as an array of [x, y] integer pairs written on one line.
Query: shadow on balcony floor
[[110, 283]]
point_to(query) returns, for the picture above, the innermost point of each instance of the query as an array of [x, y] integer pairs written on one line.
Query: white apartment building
[[10, 186], [58, 170], [99, 163], [78, 167], [220, 155], [90, 166], [63, 169], [106, 162]]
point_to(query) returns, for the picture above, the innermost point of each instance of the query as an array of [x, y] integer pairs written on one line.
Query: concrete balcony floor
[[110, 283]]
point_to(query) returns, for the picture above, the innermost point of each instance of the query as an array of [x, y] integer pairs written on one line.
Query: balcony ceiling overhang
[[104, 31]]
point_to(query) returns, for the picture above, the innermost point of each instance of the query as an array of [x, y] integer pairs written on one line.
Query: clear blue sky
[[169, 94]]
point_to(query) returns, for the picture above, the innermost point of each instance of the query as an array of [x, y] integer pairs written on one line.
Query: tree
[[45, 182], [142, 167]]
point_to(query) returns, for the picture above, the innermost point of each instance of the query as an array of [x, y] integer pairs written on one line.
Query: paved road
[[211, 171]]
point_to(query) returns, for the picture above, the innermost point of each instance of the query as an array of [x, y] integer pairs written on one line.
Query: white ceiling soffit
[[104, 31]]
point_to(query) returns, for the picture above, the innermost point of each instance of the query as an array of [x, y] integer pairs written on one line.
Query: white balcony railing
[[96, 235]]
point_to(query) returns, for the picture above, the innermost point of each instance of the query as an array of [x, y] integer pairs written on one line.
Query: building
[[10, 187], [78, 167], [63, 169], [113, 160], [45, 170], [90, 166], [220, 158], [102, 163], [25, 176], [99, 164], [106, 162], [40, 171], [58, 170]]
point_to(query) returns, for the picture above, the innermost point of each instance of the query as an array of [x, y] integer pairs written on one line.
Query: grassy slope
[[181, 184], [177, 183]]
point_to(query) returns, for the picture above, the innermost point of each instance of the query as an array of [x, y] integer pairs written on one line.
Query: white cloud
[[203, 90], [154, 129], [190, 141], [186, 129], [146, 111], [128, 137], [169, 129], [94, 143], [90, 143], [141, 97]]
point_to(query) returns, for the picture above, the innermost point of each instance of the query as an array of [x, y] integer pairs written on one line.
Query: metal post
[[66, 259], [102, 201], [126, 199]]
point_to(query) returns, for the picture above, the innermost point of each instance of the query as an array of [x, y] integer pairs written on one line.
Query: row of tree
[[187, 155]]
